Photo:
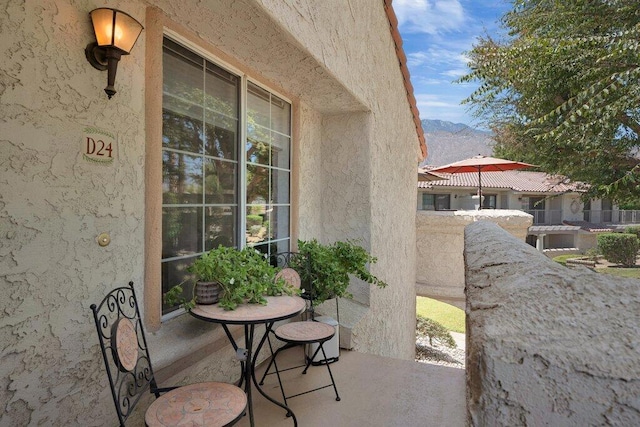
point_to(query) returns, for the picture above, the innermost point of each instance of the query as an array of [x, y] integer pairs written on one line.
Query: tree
[[561, 91]]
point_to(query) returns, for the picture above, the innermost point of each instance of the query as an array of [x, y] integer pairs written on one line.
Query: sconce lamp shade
[[115, 28], [116, 34]]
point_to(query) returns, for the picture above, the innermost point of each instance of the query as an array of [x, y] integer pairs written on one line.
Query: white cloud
[[456, 72], [429, 16]]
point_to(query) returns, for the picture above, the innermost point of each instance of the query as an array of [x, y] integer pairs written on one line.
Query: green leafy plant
[[592, 254], [434, 331], [619, 248], [633, 229], [328, 268], [244, 276]]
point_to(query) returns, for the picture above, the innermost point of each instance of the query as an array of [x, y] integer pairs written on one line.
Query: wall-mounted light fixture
[[116, 33]]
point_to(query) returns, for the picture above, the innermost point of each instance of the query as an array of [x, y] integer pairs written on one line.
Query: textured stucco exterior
[[355, 152], [440, 248], [547, 345]]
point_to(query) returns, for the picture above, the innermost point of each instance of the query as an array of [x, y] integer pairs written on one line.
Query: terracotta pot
[[207, 292]]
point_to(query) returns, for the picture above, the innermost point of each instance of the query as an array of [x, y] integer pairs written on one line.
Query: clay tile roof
[[397, 39], [519, 181]]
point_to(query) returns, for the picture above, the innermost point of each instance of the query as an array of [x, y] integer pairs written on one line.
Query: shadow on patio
[[374, 391]]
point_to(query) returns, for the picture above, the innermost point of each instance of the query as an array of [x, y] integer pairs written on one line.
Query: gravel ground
[[440, 354]]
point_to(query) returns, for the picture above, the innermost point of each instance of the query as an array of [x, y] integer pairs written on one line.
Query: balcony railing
[[611, 216], [546, 217]]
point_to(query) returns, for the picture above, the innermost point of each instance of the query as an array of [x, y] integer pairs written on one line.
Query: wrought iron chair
[[301, 332], [126, 358]]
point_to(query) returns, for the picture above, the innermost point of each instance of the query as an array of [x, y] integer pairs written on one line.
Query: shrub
[[619, 248], [435, 331], [634, 229], [592, 254], [254, 220]]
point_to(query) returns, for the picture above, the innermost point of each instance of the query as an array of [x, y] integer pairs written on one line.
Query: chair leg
[[330, 374]]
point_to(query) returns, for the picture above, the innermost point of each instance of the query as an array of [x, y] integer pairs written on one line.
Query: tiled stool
[[305, 332]]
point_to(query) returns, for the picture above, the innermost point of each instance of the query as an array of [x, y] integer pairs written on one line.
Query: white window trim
[[242, 158]]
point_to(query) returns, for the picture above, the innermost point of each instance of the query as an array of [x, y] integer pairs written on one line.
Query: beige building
[[254, 120], [562, 221]]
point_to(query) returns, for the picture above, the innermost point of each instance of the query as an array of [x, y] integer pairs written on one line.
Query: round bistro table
[[250, 315]]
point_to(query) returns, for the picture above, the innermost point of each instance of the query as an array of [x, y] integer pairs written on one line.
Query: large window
[[489, 201], [225, 176], [436, 202]]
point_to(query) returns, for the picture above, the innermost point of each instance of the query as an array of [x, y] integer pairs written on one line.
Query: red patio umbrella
[[481, 164]]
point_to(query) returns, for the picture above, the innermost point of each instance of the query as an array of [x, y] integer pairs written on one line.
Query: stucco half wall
[[547, 345], [440, 247]]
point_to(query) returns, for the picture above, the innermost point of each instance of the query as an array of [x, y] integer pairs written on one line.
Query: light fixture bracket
[[116, 33], [96, 56]]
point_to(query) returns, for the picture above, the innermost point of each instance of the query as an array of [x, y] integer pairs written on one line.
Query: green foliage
[[593, 254], [330, 267], [632, 273], [619, 248], [562, 259], [634, 229], [175, 296], [244, 276], [434, 331], [449, 316], [254, 220], [561, 91]]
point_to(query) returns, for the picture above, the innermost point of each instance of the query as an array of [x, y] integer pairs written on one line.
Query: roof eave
[[402, 59]]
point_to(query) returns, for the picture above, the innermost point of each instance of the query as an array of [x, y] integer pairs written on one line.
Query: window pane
[[258, 145], [221, 136], [174, 273], [181, 130], [182, 72], [257, 184], [222, 91], [278, 218], [220, 182], [181, 178], [220, 226], [181, 231], [201, 153], [279, 186], [428, 202], [280, 115], [442, 201], [257, 224], [258, 107], [280, 151]]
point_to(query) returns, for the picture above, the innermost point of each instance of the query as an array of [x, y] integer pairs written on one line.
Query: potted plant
[[241, 276], [327, 269]]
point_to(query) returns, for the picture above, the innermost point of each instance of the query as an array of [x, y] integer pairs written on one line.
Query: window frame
[[435, 197], [153, 304]]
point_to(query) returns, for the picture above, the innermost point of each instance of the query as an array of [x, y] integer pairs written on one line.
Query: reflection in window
[[436, 202], [201, 146]]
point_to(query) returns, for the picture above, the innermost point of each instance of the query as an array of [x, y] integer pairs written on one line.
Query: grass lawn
[[633, 273], [447, 315]]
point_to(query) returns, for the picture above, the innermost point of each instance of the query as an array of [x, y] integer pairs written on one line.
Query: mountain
[[449, 142]]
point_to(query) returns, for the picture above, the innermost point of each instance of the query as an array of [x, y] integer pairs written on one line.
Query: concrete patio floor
[[374, 391]]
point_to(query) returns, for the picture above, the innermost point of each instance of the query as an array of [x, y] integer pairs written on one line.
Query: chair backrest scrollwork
[[124, 349]]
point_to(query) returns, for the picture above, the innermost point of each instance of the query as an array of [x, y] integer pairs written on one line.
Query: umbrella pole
[[479, 189]]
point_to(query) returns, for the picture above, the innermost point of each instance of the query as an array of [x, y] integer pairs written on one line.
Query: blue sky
[[436, 34]]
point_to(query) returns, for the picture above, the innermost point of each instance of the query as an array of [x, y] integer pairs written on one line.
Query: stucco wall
[[368, 163], [547, 345], [340, 70], [440, 247]]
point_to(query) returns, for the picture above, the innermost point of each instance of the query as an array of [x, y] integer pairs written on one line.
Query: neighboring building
[[233, 122], [561, 220]]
